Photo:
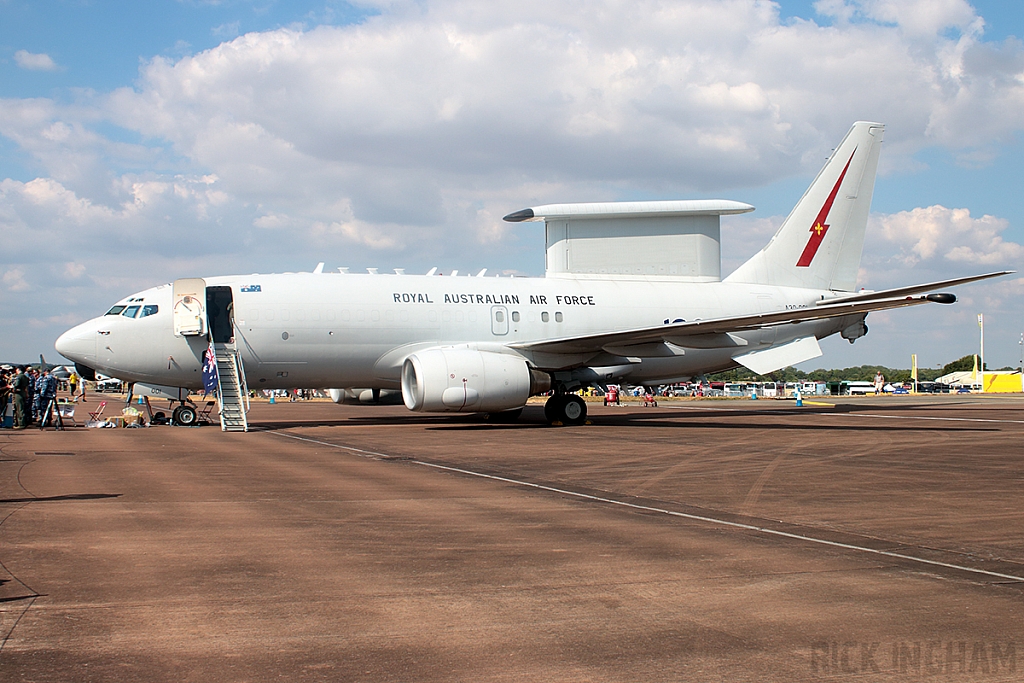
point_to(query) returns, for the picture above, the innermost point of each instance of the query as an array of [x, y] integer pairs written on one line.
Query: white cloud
[[913, 17], [34, 62], [73, 271], [941, 237], [14, 280]]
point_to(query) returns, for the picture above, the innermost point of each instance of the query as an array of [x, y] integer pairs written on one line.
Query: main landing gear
[[568, 409]]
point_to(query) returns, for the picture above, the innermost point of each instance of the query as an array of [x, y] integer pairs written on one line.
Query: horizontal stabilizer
[[778, 357]]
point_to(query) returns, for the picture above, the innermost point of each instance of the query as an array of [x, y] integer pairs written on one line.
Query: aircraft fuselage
[[319, 330]]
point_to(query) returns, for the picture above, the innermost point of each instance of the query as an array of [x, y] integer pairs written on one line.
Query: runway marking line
[[671, 513], [874, 415]]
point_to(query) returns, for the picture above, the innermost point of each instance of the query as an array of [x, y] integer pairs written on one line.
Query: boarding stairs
[[232, 392]]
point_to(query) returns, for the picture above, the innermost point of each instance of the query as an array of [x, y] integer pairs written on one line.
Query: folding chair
[[205, 415], [94, 416]]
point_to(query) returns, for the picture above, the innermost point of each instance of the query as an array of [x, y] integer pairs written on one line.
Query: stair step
[[231, 394]]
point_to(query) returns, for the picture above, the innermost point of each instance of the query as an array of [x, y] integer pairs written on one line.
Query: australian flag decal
[[210, 379]]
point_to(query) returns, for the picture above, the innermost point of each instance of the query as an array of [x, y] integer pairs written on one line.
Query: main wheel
[[553, 408], [574, 410], [184, 416], [568, 409]]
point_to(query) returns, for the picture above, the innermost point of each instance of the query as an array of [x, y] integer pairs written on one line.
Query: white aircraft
[[632, 291]]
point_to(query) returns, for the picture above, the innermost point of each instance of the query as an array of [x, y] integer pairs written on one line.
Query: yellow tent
[[1003, 383]]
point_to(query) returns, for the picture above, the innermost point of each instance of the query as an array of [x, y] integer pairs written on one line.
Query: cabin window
[[148, 310], [270, 314], [131, 311], [499, 317], [544, 317], [558, 317], [375, 315], [116, 310], [515, 316]]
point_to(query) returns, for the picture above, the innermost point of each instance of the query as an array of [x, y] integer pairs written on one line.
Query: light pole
[[981, 360]]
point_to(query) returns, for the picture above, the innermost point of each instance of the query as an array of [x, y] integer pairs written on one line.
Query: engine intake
[[443, 380]]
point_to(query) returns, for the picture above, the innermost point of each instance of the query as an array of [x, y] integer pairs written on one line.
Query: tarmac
[[874, 539]]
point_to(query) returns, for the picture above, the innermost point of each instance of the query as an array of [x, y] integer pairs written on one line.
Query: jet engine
[[467, 380]]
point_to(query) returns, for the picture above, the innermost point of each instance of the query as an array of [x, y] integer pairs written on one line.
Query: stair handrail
[[240, 373]]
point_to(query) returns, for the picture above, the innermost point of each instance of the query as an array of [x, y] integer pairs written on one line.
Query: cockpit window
[[131, 311], [149, 309], [116, 310]]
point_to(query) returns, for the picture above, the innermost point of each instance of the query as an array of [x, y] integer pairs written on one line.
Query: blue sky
[[99, 44], [395, 134]]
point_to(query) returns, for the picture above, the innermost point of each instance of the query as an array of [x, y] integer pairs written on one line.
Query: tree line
[[860, 373]]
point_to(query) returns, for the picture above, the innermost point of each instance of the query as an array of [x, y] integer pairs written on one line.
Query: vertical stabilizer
[[819, 244]]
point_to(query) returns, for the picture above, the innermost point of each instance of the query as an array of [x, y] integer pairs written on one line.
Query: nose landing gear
[[184, 415]]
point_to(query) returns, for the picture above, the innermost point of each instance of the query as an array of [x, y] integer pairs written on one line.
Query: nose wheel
[[184, 416], [569, 409]]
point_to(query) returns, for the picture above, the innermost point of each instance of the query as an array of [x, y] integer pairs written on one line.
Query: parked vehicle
[[112, 385]]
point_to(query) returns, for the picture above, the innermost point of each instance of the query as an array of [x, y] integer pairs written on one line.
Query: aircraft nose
[[78, 343]]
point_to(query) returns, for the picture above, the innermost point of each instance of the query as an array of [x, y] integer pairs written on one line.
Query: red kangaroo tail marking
[[819, 227]]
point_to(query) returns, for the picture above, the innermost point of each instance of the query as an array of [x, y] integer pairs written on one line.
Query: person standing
[[879, 382], [5, 395], [32, 407], [73, 384], [46, 387], [19, 390]]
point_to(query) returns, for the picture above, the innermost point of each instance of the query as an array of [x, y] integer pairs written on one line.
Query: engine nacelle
[[446, 380]]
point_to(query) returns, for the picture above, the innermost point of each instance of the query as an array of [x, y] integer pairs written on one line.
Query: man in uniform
[[46, 386], [19, 390]]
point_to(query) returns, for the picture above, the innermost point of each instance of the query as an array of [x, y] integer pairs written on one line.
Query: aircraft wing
[[913, 289], [696, 332]]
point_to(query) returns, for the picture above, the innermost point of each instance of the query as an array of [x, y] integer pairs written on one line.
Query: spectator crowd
[[33, 394]]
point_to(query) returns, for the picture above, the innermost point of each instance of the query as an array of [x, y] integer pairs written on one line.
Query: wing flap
[[777, 357]]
